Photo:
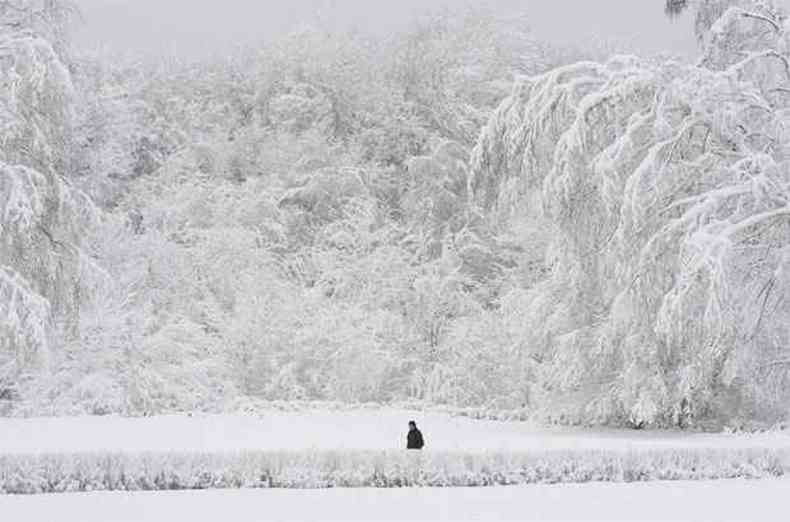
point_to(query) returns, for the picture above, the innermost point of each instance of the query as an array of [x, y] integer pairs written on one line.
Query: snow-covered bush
[[52, 473], [142, 346]]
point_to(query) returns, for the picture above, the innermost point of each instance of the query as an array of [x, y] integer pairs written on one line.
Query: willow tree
[[41, 215], [667, 286]]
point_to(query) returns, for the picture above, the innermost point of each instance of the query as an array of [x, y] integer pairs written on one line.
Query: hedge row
[[31, 474]]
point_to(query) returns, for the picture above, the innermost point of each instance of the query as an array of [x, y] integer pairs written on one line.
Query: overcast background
[[198, 27]]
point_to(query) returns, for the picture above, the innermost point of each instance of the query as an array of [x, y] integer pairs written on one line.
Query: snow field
[[379, 429], [354, 450], [715, 501]]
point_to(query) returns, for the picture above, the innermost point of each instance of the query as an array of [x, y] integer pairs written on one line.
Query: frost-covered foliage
[[36, 101], [37, 474], [49, 19], [266, 232], [664, 298], [310, 222], [118, 137], [41, 215]]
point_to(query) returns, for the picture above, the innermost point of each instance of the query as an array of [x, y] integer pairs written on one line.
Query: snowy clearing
[[356, 449], [351, 430], [720, 501]]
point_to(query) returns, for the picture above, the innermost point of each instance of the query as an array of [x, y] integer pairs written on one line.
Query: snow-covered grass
[[356, 449], [366, 429], [34, 474], [720, 501]]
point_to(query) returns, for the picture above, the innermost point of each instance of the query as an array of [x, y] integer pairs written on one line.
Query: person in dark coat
[[414, 440]]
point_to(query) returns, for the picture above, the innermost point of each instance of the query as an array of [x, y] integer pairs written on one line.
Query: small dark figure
[[414, 440]]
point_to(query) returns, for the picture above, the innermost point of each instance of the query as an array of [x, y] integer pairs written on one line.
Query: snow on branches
[[25, 333], [667, 298], [35, 101], [41, 215]]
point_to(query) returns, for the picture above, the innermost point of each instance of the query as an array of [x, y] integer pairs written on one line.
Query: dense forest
[[457, 214]]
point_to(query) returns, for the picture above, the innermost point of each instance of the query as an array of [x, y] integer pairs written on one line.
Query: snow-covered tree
[[667, 185], [41, 214], [674, 8], [310, 222]]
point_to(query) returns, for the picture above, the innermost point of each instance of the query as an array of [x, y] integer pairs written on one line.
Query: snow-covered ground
[[320, 449], [322, 430], [720, 501]]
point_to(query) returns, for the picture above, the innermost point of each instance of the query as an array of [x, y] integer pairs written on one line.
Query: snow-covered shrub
[[665, 295], [53, 473]]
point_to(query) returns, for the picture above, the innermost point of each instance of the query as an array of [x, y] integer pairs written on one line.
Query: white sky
[[195, 27]]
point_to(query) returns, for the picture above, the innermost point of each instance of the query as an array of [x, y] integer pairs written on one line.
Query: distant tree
[[707, 12], [674, 8], [51, 19]]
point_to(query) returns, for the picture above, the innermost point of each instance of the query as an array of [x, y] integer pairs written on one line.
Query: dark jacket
[[414, 440]]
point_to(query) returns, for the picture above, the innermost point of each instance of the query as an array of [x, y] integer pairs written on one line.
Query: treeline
[[322, 219]]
